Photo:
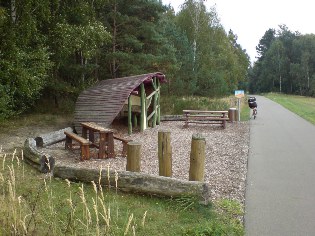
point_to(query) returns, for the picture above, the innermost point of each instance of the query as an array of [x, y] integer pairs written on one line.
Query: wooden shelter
[[103, 102]]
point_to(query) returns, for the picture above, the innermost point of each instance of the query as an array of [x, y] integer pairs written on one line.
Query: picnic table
[[205, 117], [106, 138]]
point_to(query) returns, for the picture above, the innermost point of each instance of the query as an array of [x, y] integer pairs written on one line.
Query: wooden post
[[158, 115], [102, 148], [197, 158], [154, 103], [85, 151], [133, 156], [165, 153], [110, 145], [143, 118], [135, 120], [129, 115], [84, 132]]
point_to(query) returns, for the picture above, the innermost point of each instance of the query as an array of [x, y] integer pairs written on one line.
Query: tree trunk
[[114, 63], [13, 11]]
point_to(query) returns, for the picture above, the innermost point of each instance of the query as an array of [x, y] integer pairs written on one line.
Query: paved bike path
[[280, 193]]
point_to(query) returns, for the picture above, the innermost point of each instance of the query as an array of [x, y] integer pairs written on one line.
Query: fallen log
[[137, 182], [52, 137], [36, 158]]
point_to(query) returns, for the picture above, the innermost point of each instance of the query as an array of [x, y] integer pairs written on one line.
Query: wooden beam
[[143, 115], [158, 115], [154, 104], [129, 115]]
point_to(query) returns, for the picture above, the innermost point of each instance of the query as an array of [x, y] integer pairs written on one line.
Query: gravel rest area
[[226, 155]]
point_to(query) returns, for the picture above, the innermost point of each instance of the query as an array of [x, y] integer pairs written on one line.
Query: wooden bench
[[84, 144], [124, 142], [205, 117]]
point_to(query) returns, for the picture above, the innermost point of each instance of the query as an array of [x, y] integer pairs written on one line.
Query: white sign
[[239, 93]]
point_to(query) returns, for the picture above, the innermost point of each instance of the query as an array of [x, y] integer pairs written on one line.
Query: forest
[[286, 63], [53, 49]]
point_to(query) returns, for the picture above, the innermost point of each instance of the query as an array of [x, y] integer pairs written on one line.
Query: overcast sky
[[250, 19]]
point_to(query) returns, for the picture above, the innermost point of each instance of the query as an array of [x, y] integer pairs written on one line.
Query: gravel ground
[[226, 155]]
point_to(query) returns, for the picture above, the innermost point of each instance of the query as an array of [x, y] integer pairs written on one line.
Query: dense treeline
[[55, 48], [286, 63]]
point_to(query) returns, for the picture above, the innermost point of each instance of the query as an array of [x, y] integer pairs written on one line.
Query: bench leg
[[102, 148], [124, 150], [68, 144], [84, 132], [85, 152], [110, 147], [91, 136], [224, 124]]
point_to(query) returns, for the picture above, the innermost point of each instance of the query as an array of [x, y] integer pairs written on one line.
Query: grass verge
[[37, 204], [302, 106]]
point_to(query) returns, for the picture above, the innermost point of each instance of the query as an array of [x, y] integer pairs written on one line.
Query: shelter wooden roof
[[102, 102]]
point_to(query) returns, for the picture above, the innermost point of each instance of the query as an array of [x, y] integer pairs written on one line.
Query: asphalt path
[[280, 192]]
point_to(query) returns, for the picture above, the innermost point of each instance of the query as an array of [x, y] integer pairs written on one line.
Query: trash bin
[[233, 114]]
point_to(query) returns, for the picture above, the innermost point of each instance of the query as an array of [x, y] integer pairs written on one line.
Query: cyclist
[[253, 105]]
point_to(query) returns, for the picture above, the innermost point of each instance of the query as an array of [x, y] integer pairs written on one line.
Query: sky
[[250, 19]]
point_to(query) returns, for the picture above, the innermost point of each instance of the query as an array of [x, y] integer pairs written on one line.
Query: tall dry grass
[[41, 213]]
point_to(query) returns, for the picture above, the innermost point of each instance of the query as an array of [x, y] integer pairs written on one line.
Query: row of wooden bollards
[[197, 156]]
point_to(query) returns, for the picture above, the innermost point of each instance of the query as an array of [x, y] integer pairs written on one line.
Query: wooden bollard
[[197, 158], [165, 153], [133, 156]]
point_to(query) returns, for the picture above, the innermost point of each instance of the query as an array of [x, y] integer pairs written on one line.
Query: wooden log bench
[[205, 117], [84, 144], [124, 143]]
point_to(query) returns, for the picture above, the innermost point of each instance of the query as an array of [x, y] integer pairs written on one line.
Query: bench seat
[[84, 144], [124, 142]]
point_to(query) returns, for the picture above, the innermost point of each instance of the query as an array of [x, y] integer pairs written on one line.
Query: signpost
[[239, 94]]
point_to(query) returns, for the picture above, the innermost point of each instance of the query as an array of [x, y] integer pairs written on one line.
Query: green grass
[[36, 204], [302, 106]]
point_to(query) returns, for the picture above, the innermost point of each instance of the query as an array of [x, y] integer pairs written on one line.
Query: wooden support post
[[91, 136], [68, 144], [158, 115], [155, 103], [84, 132], [129, 115], [110, 143], [143, 118], [165, 153], [102, 147], [197, 158], [133, 156], [135, 120], [85, 152]]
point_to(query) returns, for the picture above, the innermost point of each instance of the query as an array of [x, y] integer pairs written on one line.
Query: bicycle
[[253, 105], [254, 114]]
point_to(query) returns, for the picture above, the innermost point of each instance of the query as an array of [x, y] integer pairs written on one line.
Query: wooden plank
[[197, 111], [210, 118], [76, 137], [95, 127]]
